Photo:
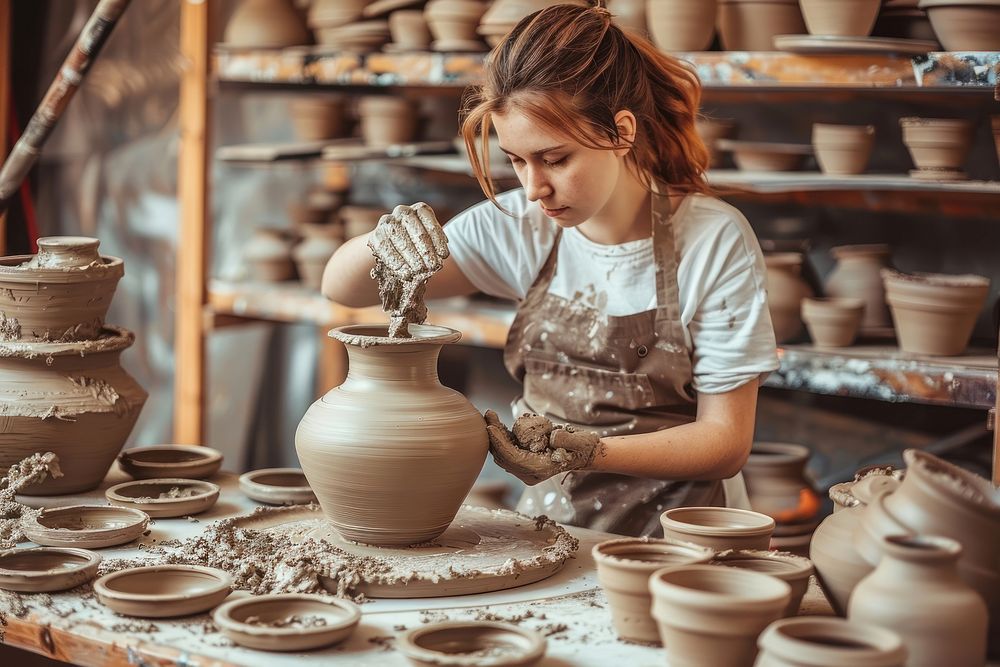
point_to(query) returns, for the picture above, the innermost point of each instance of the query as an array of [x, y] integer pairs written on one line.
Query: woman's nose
[[536, 186]]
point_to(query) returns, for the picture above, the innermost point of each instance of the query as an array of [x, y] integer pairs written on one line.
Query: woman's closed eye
[[555, 162]]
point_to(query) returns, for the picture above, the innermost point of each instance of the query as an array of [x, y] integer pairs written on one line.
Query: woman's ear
[[627, 128]]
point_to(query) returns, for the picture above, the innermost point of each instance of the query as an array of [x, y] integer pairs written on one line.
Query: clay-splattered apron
[[615, 375]]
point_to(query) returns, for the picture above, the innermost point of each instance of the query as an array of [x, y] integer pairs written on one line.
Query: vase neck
[[410, 363], [915, 556]]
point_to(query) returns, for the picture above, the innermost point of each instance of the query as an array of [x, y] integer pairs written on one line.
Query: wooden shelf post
[[5, 99]]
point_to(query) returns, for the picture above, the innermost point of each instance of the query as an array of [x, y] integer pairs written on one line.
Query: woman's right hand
[[409, 242]]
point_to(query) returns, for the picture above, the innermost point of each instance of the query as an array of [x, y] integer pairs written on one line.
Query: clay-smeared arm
[[535, 449]]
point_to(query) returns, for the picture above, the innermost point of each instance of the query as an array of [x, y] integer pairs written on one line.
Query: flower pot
[[60, 294], [858, 275], [73, 399], [623, 570], [833, 321], [937, 143], [711, 130], [843, 149], [793, 570], [718, 528], [934, 313], [844, 18], [318, 118], [785, 291], [409, 30], [391, 453], [387, 120], [775, 474], [812, 641], [751, 25], [711, 615], [266, 24], [681, 25], [965, 25]]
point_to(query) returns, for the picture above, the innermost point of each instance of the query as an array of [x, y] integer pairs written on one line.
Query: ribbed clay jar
[[681, 25], [785, 290], [391, 453], [858, 275], [813, 641], [916, 592]]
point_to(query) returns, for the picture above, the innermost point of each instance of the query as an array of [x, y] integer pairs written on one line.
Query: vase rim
[[369, 335], [949, 481], [914, 547]]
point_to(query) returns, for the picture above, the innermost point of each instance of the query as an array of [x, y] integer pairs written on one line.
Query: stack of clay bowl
[[776, 479], [938, 146], [453, 24], [264, 24], [503, 15], [842, 149], [752, 25], [965, 25], [903, 19], [409, 31], [318, 118], [681, 25], [338, 24], [62, 388], [934, 313], [840, 18], [387, 120]]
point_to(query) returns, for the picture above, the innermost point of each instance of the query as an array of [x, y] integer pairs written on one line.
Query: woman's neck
[[626, 217]]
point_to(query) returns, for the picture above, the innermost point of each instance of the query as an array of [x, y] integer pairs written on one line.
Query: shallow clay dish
[[472, 643], [165, 498], [163, 591], [287, 621], [86, 526], [159, 461], [277, 486], [46, 569]]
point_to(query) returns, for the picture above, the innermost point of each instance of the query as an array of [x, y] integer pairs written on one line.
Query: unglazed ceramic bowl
[[159, 461], [793, 570], [86, 526], [277, 486], [718, 528], [287, 621], [46, 569], [165, 498], [812, 640], [462, 644], [163, 591]]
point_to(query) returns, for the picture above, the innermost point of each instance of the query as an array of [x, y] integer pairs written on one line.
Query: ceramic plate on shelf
[[835, 44]]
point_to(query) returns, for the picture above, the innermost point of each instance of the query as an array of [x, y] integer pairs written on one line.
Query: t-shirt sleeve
[[731, 331], [501, 254]]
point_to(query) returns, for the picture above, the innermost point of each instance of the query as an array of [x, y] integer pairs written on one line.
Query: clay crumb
[[293, 621], [135, 626], [32, 470], [385, 642]]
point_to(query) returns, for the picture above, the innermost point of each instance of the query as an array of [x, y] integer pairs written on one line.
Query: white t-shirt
[[720, 277]]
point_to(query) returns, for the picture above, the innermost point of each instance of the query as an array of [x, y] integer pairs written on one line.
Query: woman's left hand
[[535, 449]]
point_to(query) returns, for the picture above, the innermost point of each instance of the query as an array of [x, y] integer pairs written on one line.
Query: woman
[[643, 318]]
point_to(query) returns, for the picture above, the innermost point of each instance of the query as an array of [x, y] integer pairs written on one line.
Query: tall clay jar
[[858, 275], [391, 453], [681, 25], [785, 290], [916, 592]]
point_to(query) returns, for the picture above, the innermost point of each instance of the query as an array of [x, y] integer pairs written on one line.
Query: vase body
[[391, 453], [838, 566], [858, 275], [785, 290]]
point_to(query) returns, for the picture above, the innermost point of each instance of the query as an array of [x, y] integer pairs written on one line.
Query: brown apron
[[614, 375]]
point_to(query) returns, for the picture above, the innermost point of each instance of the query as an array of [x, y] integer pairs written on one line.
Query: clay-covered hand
[[535, 449], [409, 242]]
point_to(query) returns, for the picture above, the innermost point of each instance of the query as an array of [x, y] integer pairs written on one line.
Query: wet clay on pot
[[623, 570], [858, 275], [86, 526], [832, 321], [472, 644], [46, 569], [844, 18], [915, 591], [793, 570], [752, 25], [165, 498], [812, 641], [843, 149], [718, 528], [157, 461], [965, 25], [391, 434], [867, 483], [775, 474], [287, 622], [786, 289], [277, 486], [59, 295], [73, 399], [163, 591], [710, 615]]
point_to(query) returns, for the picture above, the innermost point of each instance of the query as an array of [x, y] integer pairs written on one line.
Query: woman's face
[[573, 183]]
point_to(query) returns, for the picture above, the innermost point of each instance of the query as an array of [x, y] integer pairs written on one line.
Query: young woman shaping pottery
[[643, 321]]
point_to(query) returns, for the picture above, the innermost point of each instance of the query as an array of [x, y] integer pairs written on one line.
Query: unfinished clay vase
[[844, 18], [858, 274], [965, 25], [838, 567], [60, 294], [843, 149], [775, 474], [266, 24], [916, 592], [392, 452], [710, 615], [832, 321], [934, 313], [785, 291], [681, 25], [73, 399], [937, 144], [623, 570], [812, 641], [751, 25]]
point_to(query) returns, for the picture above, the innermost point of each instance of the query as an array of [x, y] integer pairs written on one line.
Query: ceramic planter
[[785, 291], [681, 25], [812, 641], [751, 25], [387, 120], [934, 313], [711, 130], [266, 24], [711, 615], [858, 274], [775, 474], [793, 570], [391, 453], [843, 18], [832, 321], [318, 119], [718, 528], [937, 143], [965, 25], [914, 570], [73, 399], [623, 570], [60, 294], [843, 149]]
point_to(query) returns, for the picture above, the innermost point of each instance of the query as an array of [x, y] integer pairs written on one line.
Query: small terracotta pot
[[844, 18], [751, 25], [711, 130], [409, 30], [934, 313], [711, 615], [833, 321], [266, 24], [812, 641], [623, 570], [786, 289], [843, 149], [965, 25], [388, 120], [681, 25], [793, 570], [858, 275], [775, 474], [937, 143], [718, 528], [318, 119]]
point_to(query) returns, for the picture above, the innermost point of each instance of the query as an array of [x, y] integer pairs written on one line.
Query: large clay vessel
[[751, 25], [73, 399], [812, 641], [838, 567], [785, 290], [60, 294], [916, 592], [858, 275], [845, 18], [775, 474], [681, 25], [266, 24], [391, 453]]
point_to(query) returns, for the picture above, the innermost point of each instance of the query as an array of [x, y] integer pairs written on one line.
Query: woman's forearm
[[347, 278]]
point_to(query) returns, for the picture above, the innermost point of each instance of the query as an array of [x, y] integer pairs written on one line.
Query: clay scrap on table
[[32, 470]]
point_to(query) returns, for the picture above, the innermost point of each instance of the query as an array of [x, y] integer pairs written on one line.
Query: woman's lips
[[554, 212]]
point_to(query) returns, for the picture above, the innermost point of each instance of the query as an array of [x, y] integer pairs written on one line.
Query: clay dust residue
[[10, 328], [293, 621], [13, 515]]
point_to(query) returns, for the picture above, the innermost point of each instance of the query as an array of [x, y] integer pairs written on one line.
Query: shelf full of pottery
[[62, 387]]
